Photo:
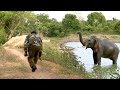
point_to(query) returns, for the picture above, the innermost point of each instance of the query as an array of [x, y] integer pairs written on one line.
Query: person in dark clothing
[[33, 49]]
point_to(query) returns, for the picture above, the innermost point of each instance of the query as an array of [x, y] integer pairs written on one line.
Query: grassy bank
[[65, 58]]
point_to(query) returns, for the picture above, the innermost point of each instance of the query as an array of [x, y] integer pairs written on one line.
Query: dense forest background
[[14, 23]]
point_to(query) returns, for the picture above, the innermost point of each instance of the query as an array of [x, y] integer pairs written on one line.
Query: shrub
[[3, 36], [64, 58]]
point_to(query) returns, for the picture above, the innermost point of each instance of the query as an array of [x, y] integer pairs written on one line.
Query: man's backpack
[[35, 40]]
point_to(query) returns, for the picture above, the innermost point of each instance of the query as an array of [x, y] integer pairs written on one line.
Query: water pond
[[85, 56]]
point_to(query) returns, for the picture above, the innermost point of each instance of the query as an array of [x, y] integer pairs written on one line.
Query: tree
[[31, 23], [55, 29], [111, 24], [53, 20], [96, 18], [15, 22], [44, 21], [117, 27], [71, 23], [43, 18], [5, 16], [3, 37], [17, 19]]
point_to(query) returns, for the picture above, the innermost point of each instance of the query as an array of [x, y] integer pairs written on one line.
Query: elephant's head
[[92, 42]]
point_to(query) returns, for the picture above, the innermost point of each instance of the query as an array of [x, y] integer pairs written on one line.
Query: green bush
[[3, 36], [65, 59], [88, 28], [117, 27]]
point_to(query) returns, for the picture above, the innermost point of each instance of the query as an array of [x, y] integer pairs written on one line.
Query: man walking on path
[[33, 45]]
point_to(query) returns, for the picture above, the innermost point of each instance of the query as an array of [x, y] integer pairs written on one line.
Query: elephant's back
[[109, 44]]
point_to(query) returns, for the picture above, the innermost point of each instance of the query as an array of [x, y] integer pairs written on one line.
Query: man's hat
[[34, 32]]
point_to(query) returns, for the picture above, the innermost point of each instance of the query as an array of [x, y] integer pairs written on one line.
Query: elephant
[[101, 48]]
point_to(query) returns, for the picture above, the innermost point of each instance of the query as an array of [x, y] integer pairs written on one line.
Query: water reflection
[[86, 57]]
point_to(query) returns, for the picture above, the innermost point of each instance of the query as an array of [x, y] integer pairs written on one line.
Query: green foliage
[[30, 23], [115, 76], [111, 24], [106, 29], [18, 22], [65, 59], [88, 28], [107, 72], [3, 38], [97, 23], [14, 21], [96, 18], [44, 21], [54, 29], [117, 27], [71, 23], [43, 18]]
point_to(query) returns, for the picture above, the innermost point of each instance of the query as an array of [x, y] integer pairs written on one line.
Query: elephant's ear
[[96, 45]]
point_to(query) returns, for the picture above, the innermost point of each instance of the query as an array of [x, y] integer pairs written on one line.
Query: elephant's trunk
[[80, 38]]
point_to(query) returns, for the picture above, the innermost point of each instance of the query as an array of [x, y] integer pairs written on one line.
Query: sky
[[59, 15]]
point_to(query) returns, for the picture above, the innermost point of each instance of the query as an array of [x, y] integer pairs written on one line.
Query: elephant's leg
[[114, 61], [115, 57], [95, 58], [99, 58]]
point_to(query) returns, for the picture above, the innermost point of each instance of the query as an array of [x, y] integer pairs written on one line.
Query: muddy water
[[85, 56]]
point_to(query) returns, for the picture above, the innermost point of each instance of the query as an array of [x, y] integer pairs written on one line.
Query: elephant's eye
[[89, 41]]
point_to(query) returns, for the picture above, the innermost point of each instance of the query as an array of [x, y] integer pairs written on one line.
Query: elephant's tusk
[[81, 47]]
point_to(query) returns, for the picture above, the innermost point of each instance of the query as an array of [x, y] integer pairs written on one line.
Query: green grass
[[65, 59], [110, 72]]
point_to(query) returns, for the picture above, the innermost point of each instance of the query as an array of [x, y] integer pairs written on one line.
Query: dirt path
[[45, 69]]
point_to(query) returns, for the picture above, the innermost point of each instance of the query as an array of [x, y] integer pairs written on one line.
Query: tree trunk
[[13, 29]]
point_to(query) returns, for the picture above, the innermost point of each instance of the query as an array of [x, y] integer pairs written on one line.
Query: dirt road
[[45, 69]]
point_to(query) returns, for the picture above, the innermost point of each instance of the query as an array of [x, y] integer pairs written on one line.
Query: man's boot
[[40, 54], [34, 68], [25, 54]]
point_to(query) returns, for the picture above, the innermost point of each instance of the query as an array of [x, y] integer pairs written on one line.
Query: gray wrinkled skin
[[101, 48]]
